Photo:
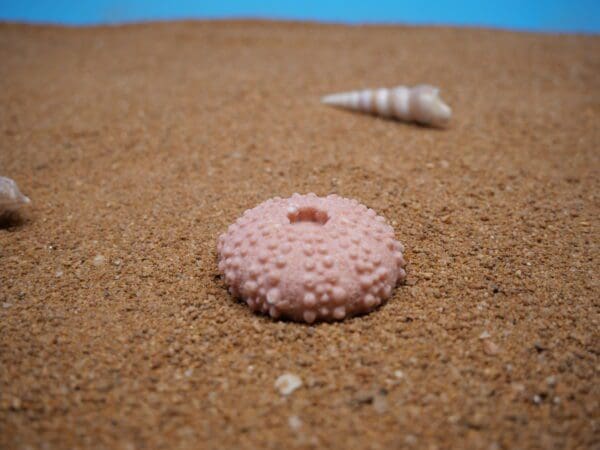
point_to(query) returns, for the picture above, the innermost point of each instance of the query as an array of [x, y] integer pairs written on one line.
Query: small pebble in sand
[[287, 383], [399, 374], [310, 258], [11, 198], [485, 335], [98, 260], [380, 404], [410, 439], [295, 423], [490, 348]]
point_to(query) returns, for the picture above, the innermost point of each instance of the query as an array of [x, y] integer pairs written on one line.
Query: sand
[[138, 145]]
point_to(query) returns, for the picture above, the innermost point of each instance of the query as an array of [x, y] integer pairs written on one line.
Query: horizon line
[[249, 18]]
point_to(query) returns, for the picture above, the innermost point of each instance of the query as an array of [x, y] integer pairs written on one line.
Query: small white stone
[[6, 305], [485, 335], [410, 439], [380, 404], [399, 374], [188, 373], [98, 260], [58, 273], [287, 383], [294, 422]]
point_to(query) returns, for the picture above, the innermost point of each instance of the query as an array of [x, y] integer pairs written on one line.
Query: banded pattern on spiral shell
[[11, 197], [421, 104]]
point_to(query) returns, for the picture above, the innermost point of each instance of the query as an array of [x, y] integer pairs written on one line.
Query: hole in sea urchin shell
[[307, 214]]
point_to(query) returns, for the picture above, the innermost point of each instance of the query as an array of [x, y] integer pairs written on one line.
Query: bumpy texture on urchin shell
[[310, 258], [11, 197]]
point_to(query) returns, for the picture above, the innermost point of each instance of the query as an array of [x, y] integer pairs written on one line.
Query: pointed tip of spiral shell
[[342, 100]]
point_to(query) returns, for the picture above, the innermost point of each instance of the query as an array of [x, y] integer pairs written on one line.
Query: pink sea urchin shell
[[310, 258]]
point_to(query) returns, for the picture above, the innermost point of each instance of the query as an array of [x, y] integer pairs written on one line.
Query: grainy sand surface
[[138, 145]]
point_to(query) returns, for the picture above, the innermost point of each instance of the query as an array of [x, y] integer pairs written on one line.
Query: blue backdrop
[[532, 15]]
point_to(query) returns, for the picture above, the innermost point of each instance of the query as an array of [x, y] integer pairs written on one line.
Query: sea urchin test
[[310, 258], [421, 104]]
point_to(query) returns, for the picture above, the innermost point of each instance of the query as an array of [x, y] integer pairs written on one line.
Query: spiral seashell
[[11, 197], [420, 104]]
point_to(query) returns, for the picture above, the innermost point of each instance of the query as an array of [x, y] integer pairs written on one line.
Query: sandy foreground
[[138, 145]]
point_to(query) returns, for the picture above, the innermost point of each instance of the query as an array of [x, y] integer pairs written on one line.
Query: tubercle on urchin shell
[[421, 104], [284, 258]]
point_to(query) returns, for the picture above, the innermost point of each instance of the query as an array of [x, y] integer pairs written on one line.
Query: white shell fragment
[[421, 104], [11, 198], [287, 383]]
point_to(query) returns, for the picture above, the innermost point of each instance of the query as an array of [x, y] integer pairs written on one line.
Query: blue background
[[531, 15]]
